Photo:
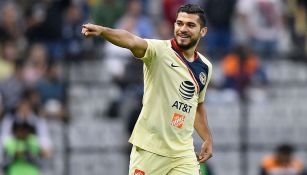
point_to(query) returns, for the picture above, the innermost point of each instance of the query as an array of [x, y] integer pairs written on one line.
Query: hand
[[91, 30], [206, 151]]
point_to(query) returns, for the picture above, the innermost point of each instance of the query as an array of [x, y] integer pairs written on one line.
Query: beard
[[191, 44]]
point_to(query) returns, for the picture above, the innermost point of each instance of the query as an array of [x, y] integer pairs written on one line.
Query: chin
[[182, 42], [181, 45], [185, 43], [185, 46]]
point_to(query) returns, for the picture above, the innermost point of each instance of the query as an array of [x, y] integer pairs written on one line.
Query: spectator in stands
[[13, 87], [34, 98], [24, 113], [143, 26], [21, 151], [51, 86], [11, 22], [116, 56], [282, 162], [72, 40], [36, 64], [296, 18], [262, 22], [241, 69], [107, 12], [44, 24], [8, 56], [219, 38], [135, 22], [52, 91]]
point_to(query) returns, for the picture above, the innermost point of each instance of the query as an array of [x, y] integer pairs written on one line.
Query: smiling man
[[176, 77]]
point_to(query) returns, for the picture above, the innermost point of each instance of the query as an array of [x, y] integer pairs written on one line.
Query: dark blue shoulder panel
[[197, 67]]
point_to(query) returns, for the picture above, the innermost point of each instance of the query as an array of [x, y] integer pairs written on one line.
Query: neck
[[189, 54]]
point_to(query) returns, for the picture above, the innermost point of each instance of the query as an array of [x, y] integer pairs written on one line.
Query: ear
[[203, 31]]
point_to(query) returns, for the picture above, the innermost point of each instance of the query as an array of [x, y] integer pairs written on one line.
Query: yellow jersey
[[173, 87]]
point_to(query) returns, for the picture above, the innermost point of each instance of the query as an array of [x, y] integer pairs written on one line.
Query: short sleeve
[[203, 92], [150, 52]]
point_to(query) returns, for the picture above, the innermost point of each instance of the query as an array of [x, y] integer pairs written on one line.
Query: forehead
[[185, 17]]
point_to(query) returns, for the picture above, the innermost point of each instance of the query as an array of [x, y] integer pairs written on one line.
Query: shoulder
[[205, 60], [268, 162], [298, 164], [9, 141], [158, 43], [155, 47]]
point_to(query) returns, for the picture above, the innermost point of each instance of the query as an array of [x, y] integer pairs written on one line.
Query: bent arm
[[118, 37], [201, 123], [201, 126]]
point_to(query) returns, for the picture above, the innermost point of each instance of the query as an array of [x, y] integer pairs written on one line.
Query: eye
[[191, 25], [179, 23]]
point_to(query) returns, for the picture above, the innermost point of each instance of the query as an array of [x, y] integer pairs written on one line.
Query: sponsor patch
[[178, 120], [186, 90], [138, 172], [202, 78]]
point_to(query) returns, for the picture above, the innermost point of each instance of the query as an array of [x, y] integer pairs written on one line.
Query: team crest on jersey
[[186, 90], [178, 120], [138, 172], [202, 78]]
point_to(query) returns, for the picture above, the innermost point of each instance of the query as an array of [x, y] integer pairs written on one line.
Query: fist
[[91, 30]]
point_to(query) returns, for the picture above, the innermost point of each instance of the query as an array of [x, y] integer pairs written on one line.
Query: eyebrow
[[189, 23], [192, 23]]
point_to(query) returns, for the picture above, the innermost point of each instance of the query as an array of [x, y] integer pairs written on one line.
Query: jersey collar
[[177, 49]]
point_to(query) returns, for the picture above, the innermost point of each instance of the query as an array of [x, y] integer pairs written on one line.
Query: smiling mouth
[[184, 36]]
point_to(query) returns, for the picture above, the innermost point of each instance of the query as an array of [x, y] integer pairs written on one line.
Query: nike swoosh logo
[[174, 65]]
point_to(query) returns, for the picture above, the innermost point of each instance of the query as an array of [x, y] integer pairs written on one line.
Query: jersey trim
[[192, 68], [177, 49], [190, 71]]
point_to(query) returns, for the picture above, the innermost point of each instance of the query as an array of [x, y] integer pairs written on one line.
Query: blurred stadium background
[[88, 92]]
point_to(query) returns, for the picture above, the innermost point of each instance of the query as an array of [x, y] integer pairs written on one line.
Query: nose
[[183, 28]]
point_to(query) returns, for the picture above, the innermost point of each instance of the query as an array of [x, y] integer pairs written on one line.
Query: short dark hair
[[285, 149], [193, 9]]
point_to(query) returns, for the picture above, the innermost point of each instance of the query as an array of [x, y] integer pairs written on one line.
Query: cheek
[[195, 34], [176, 29]]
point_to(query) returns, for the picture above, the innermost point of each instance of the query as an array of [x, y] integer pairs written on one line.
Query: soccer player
[[176, 77]]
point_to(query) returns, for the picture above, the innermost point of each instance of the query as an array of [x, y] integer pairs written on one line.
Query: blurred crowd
[[39, 37]]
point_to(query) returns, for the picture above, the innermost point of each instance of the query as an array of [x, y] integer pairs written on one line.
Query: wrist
[[101, 31], [209, 139]]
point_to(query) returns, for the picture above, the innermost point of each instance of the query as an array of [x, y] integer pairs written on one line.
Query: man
[[21, 151], [175, 80], [282, 162]]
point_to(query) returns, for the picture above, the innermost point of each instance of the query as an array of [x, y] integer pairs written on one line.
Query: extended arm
[[202, 128], [118, 37]]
